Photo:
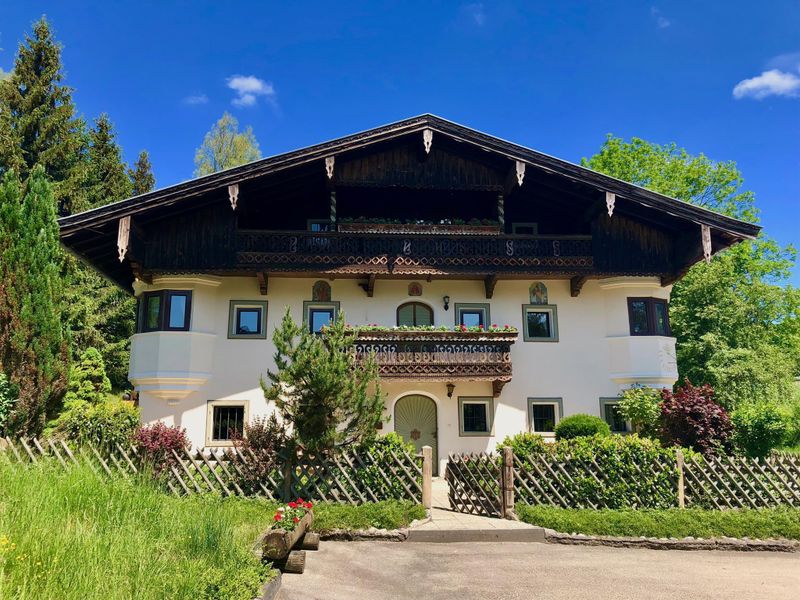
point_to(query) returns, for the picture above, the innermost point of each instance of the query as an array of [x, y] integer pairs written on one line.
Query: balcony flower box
[[419, 229]]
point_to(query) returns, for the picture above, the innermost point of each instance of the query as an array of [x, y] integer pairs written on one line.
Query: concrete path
[[449, 526], [510, 571]]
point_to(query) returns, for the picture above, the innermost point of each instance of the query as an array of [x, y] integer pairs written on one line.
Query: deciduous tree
[[225, 147]]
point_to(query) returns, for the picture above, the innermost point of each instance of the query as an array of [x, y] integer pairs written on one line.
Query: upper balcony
[[412, 253], [435, 355]]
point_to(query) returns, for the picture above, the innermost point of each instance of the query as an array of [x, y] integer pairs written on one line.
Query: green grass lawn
[[383, 515], [695, 522]]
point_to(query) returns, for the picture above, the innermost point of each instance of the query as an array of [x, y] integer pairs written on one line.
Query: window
[[475, 416], [225, 421], [247, 320], [544, 414], [525, 228], [167, 310], [472, 315], [414, 314], [320, 314], [539, 323], [320, 225], [609, 410], [648, 316]]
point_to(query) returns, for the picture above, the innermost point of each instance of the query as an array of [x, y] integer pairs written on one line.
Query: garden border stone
[[365, 535], [269, 591], [687, 543]]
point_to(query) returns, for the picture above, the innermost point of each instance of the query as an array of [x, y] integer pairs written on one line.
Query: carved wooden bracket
[[705, 232], [123, 237], [263, 282], [520, 167], [369, 286], [497, 387], [489, 282], [233, 194], [329, 162], [576, 284], [138, 272], [427, 140], [611, 198]]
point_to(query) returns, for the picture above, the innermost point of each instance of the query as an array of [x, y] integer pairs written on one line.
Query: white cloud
[[248, 88], [770, 83], [196, 99], [662, 22]]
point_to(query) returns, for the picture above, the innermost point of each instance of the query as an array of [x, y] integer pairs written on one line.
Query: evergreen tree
[[225, 147], [34, 352], [87, 379], [141, 175], [107, 177], [38, 124]]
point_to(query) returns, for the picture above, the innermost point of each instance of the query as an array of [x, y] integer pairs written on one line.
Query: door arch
[[415, 420]]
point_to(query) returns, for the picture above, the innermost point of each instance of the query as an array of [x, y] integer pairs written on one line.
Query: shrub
[[759, 427], [8, 397], [381, 474], [525, 444], [581, 425], [87, 380], [156, 443], [691, 418], [640, 406], [105, 424], [263, 439]]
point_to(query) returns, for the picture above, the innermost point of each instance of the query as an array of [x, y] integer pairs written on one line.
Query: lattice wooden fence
[[473, 482], [354, 477]]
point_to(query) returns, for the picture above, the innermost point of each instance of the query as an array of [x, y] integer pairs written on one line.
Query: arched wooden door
[[415, 421]]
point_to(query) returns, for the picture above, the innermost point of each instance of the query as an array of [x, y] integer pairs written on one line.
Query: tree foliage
[[33, 345], [88, 381], [641, 406], [692, 419], [225, 147], [108, 180], [141, 175], [325, 395], [760, 427], [736, 322], [38, 124]]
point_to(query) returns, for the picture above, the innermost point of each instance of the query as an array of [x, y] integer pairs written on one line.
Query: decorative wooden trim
[[233, 194], [497, 387], [520, 170], [263, 282], [369, 285], [705, 233], [427, 139], [489, 283], [123, 237], [611, 199], [576, 284], [330, 161]]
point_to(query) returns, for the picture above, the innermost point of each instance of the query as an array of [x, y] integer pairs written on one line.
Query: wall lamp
[[450, 388], [446, 301]]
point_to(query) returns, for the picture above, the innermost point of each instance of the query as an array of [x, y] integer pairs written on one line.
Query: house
[[419, 223]]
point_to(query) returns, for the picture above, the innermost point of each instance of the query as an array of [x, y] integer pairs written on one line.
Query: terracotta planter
[[413, 229]]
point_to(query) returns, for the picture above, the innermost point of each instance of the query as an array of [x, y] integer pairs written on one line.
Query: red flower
[[480, 326], [292, 504], [296, 519], [494, 325], [300, 501], [278, 516], [309, 505]]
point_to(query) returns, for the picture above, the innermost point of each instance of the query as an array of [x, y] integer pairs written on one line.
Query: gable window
[[247, 320], [472, 315], [539, 323], [648, 316], [319, 314], [226, 421], [609, 411], [525, 228], [475, 416], [414, 314], [166, 310], [544, 414]]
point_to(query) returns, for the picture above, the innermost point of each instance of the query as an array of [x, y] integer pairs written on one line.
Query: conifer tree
[[107, 177], [141, 175], [34, 352], [38, 124]]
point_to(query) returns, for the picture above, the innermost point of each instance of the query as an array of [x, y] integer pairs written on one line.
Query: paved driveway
[[462, 571]]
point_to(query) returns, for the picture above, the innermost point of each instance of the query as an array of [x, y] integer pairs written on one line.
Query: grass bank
[[390, 514], [69, 535], [695, 522]]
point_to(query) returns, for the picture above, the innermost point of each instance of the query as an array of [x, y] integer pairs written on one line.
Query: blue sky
[[719, 78]]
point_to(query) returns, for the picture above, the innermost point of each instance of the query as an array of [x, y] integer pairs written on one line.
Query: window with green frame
[[472, 314], [609, 411]]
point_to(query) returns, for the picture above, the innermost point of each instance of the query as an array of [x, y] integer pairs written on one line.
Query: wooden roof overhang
[[92, 235]]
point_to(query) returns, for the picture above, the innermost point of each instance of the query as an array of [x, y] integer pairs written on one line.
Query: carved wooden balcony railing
[[441, 355], [407, 254]]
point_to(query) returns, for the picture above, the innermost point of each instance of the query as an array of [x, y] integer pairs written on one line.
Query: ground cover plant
[[389, 514], [69, 535], [760, 523]]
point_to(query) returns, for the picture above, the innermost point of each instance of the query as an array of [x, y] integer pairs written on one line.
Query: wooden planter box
[[413, 229], [278, 542]]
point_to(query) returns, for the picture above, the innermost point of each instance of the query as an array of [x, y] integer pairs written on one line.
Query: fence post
[[507, 484], [681, 482], [427, 476]]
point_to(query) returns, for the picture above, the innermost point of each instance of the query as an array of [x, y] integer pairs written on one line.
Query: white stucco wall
[[593, 358]]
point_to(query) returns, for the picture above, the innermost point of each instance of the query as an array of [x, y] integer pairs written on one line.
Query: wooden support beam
[[497, 387], [369, 286], [575, 285], [489, 282], [233, 194], [138, 272], [330, 161], [427, 140], [123, 237], [263, 282]]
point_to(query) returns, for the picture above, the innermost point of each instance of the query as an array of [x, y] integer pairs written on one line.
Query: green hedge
[[696, 522]]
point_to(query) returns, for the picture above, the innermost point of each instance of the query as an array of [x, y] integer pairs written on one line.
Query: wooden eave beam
[[576, 284], [369, 285], [489, 282], [263, 282]]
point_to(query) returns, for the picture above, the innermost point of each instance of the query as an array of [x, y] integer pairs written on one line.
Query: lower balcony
[[440, 355], [171, 364], [648, 360]]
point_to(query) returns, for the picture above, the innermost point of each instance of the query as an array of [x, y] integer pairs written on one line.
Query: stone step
[[444, 535]]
